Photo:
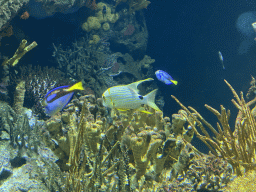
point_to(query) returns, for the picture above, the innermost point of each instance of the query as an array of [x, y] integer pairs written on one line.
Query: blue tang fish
[[165, 77], [56, 99], [126, 97]]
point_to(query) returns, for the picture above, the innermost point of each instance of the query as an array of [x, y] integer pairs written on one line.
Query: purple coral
[[129, 30]]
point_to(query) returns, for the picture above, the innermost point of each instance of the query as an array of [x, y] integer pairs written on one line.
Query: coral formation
[[19, 97], [94, 22], [38, 81], [87, 148], [21, 51], [145, 138], [237, 148], [8, 9], [95, 39], [242, 183], [44, 8]]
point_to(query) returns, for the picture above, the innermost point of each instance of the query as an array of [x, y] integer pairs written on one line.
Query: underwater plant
[[238, 147]]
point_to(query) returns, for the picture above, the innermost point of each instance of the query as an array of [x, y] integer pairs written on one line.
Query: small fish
[[126, 97], [104, 11], [221, 59], [56, 99], [165, 77]]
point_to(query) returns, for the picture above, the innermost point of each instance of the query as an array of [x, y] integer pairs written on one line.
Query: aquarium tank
[[127, 96]]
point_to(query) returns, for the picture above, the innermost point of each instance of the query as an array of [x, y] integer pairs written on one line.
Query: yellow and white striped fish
[[125, 97]]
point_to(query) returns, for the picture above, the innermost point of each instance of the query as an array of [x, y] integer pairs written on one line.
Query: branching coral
[[237, 148], [20, 52]]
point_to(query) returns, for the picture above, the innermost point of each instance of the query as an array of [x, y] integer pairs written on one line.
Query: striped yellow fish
[[125, 97]]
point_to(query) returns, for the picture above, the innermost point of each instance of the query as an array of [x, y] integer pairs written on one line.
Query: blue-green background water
[[184, 39]]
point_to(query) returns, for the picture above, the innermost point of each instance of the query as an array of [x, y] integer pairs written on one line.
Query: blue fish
[[165, 77], [56, 99]]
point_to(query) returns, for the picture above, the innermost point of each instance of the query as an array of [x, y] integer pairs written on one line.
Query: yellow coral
[[22, 50], [106, 26], [92, 23], [242, 183], [95, 22], [95, 39], [112, 18]]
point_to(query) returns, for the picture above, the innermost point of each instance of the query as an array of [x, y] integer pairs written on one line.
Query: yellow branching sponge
[[21, 51]]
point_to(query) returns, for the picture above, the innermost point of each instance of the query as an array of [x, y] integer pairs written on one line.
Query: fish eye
[[141, 97]]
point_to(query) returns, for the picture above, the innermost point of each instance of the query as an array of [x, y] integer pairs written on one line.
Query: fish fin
[[122, 109], [174, 82], [144, 111], [77, 86], [150, 100], [135, 84]]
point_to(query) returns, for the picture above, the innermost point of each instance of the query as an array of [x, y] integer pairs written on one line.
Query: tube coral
[[20, 52]]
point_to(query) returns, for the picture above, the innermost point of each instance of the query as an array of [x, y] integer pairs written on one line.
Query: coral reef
[[100, 69], [150, 150], [131, 33], [45, 8], [19, 97], [242, 183], [87, 148], [119, 152], [27, 164], [8, 63], [94, 22], [37, 82], [8, 9], [237, 148]]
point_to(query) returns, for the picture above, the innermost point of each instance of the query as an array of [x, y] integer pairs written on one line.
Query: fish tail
[[174, 82], [77, 86], [150, 100]]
